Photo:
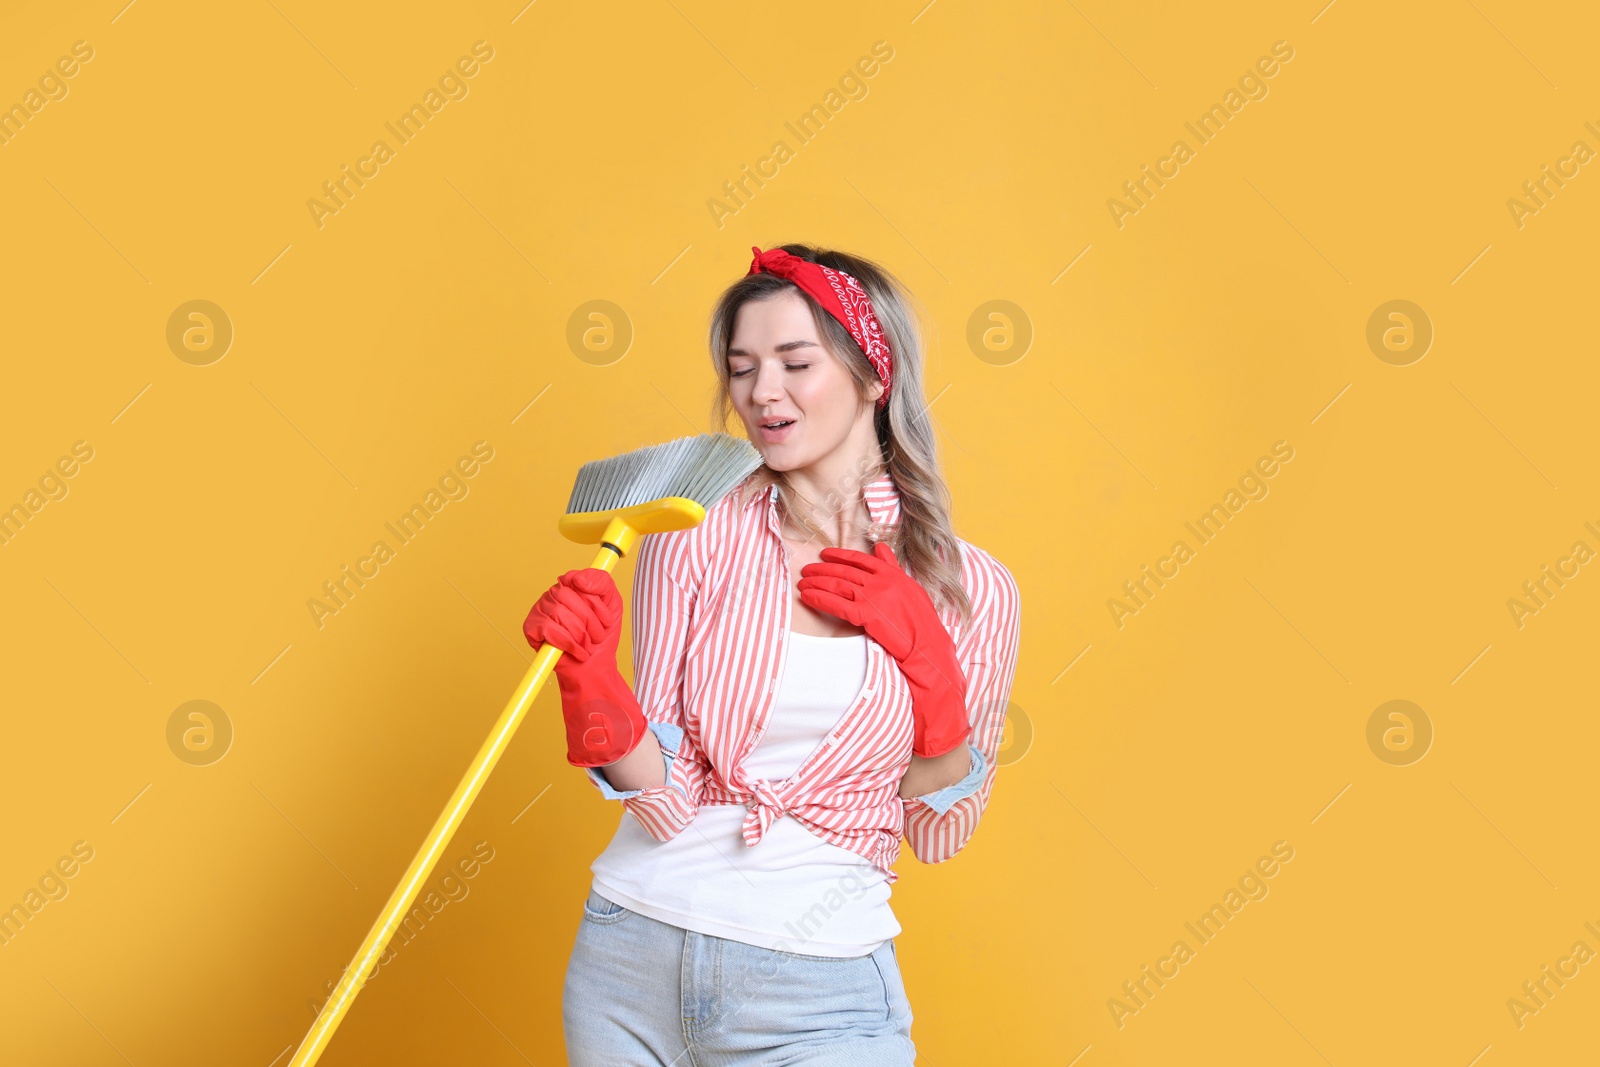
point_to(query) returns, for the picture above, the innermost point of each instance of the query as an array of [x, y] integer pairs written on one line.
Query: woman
[[800, 700]]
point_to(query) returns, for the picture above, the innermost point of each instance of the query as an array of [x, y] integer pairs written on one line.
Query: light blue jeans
[[643, 993]]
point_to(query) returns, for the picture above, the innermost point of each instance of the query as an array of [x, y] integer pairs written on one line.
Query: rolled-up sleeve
[[668, 736], [944, 799], [939, 825], [663, 596]]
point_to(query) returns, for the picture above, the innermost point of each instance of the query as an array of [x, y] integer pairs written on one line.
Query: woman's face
[[780, 370]]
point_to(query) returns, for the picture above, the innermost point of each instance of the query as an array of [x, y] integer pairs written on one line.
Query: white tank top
[[791, 890]]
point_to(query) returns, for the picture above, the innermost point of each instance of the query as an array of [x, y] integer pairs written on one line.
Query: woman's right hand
[[581, 614]]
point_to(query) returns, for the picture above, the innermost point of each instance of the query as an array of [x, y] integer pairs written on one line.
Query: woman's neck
[[832, 501], [833, 484], [847, 528]]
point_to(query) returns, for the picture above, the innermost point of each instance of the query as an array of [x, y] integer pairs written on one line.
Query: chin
[[774, 463]]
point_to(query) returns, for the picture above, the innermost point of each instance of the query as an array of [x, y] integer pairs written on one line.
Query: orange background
[[1142, 362]]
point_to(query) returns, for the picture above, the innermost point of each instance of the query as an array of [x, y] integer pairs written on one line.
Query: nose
[[769, 383]]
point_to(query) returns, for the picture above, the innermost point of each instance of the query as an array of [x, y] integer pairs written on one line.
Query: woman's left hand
[[871, 591]]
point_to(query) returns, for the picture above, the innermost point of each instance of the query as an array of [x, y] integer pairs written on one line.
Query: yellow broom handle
[[354, 977]]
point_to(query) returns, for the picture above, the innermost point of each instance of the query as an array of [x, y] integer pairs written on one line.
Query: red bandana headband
[[840, 296]]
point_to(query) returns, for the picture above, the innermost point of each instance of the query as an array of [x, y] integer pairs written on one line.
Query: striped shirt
[[711, 611]]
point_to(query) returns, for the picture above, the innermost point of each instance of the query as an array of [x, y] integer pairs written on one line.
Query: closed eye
[[787, 366]]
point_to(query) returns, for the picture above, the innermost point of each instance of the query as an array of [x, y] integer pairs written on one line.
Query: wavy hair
[[924, 541]]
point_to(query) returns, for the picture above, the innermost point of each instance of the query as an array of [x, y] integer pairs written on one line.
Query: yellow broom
[[614, 502]]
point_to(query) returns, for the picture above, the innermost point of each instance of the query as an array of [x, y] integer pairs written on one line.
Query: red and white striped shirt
[[711, 613]]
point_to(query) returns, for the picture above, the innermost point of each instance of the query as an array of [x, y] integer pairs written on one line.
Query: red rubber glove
[[582, 615], [871, 591]]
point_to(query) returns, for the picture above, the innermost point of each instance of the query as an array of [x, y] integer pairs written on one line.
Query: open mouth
[[776, 431]]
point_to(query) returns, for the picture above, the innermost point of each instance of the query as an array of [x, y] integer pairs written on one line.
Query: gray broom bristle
[[702, 468]]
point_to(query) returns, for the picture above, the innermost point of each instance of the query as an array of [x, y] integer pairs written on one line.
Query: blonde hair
[[924, 541]]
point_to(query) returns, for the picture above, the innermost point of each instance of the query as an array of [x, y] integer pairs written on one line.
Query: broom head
[[655, 489]]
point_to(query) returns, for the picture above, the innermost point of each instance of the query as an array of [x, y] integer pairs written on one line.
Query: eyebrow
[[787, 346]]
